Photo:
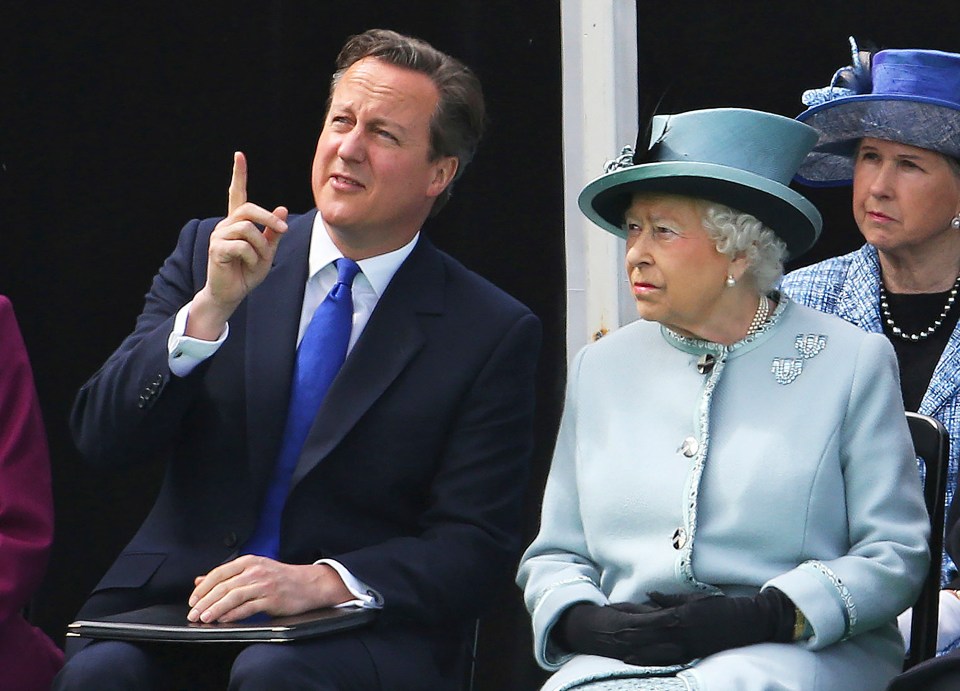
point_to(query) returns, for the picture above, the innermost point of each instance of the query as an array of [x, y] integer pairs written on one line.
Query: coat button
[[679, 538], [689, 447], [705, 363], [230, 540]]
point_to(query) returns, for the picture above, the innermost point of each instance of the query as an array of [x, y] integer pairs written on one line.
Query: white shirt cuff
[[948, 630], [185, 353], [948, 625], [364, 596]]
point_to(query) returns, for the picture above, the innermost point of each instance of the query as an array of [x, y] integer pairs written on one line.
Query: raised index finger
[[237, 194]]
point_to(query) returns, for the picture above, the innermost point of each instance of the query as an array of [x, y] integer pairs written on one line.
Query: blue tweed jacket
[[849, 286]]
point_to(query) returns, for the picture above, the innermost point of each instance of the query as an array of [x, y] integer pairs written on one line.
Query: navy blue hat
[[905, 96]]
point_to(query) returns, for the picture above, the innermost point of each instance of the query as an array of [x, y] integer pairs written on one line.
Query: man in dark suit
[[406, 494]]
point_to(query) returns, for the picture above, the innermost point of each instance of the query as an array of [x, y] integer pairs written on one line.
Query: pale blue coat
[[667, 479], [849, 286]]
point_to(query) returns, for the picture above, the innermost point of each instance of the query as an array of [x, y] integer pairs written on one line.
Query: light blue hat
[[742, 158]]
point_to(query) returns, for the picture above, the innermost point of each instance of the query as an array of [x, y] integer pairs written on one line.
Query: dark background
[[118, 121]]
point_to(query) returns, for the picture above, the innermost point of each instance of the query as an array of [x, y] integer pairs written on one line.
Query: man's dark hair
[[458, 121]]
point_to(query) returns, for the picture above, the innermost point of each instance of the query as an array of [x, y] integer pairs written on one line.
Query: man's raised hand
[[239, 258]]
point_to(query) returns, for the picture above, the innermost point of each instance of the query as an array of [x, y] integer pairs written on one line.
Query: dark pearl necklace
[[926, 333]]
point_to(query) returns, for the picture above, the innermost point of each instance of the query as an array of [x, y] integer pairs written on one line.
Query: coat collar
[[859, 300], [945, 381], [859, 303]]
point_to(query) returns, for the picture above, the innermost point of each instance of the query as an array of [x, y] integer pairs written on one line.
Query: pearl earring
[[731, 281], [955, 223]]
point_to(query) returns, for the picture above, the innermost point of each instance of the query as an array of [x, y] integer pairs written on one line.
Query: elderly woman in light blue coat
[[733, 501]]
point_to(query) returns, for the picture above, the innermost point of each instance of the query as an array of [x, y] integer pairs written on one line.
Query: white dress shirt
[[185, 353]]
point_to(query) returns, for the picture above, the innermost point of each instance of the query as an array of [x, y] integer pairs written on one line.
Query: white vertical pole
[[599, 42]]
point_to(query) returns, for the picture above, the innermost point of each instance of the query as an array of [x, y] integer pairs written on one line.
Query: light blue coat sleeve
[[882, 573]]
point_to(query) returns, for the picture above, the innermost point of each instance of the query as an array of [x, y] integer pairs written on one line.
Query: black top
[[913, 313]]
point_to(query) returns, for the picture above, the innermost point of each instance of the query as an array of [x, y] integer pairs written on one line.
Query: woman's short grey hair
[[739, 233]]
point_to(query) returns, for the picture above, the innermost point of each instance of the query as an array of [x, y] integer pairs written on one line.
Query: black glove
[[705, 624], [674, 629], [598, 629]]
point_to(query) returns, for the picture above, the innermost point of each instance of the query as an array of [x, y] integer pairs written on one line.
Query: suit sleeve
[[470, 530], [26, 502], [133, 405]]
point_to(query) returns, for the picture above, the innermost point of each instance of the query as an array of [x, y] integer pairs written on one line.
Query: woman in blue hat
[[733, 501], [890, 124]]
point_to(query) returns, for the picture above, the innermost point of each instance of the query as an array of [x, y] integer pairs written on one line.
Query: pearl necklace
[[926, 333], [760, 316]]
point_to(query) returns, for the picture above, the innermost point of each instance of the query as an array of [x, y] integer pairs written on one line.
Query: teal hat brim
[[793, 218]]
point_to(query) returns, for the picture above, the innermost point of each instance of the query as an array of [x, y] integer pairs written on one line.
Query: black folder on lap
[[169, 623]]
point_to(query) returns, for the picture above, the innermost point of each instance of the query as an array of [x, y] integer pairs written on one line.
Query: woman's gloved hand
[[599, 629], [673, 629]]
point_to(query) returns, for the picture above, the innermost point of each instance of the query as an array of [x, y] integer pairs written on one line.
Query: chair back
[[932, 445]]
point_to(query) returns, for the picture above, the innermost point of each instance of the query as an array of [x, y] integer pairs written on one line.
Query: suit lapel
[[859, 300], [273, 320], [859, 303], [391, 339], [944, 383]]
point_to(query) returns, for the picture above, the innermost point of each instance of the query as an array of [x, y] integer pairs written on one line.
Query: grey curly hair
[[738, 233]]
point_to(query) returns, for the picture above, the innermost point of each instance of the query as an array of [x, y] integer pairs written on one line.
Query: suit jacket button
[[230, 540]]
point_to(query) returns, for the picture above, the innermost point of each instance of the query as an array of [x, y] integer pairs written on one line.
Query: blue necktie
[[322, 351]]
